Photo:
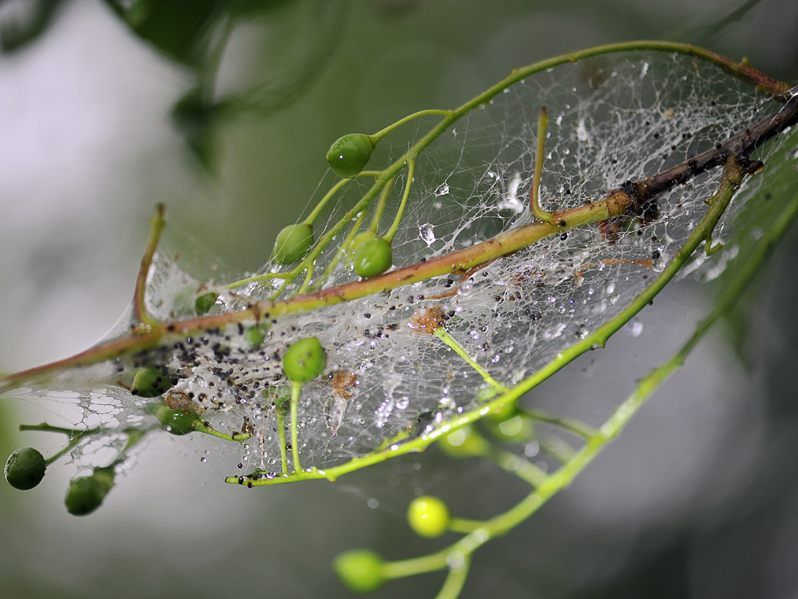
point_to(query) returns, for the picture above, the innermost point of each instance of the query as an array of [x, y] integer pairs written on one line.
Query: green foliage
[[25, 468]]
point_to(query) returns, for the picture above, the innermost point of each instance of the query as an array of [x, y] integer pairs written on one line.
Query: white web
[[612, 120]]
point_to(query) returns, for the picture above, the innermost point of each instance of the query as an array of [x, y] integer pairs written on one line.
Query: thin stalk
[[375, 137], [455, 580], [569, 424], [296, 392], [391, 233], [534, 193], [442, 334], [280, 414], [157, 224]]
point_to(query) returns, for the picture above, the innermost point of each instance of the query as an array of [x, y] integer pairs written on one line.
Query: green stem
[[324, 200], [380, 207], [259, 278], [411, 168], [569, 424], [375, 137], [342, 251], [442, 334], [157, 224], [201, 427], [281, 435], [534, 193], [455, 580], [296, 392]]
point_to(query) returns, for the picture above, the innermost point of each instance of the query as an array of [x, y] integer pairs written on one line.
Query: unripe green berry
[[373, 257], [349, 154], [205, 302], [360, 239], [150, 381], [255, 335], [304, 360], [292, 243], [463, 443], [428, 516], [25, 468], [515, 429], [175, 422], [360, 570], [87, 493]]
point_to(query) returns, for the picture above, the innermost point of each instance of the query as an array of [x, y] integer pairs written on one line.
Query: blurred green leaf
[[176, 28], [17, 31]]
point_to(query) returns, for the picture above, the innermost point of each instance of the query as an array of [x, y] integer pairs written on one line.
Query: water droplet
[[373, 503], [581, 131], [443, 190], [633, 328], [426, 232]]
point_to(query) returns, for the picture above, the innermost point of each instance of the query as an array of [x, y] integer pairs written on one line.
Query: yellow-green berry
[[87, 493], [150, 381], [463, 443], [360, 570], [205, 302], [293, 242], [428, 516], [350, 153], [373, 257], [25, 468], [304, 360]]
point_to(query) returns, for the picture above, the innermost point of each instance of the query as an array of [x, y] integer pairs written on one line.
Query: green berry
[[150, 381], [463, 443], [174, 421], [349, 154], [360, 239], [304, 360], [25, 468], [515, 429], [86, 494], [255, 335], [373, 257], [293, 242], [205, 302], [428, 516], [360, 570]]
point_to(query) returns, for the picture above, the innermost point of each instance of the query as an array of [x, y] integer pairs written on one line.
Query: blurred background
[[224, 110]]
